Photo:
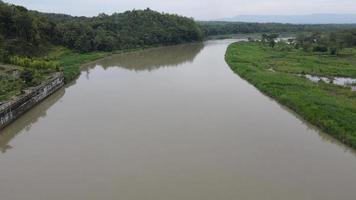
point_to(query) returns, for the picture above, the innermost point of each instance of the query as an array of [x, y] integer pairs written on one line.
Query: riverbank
[[280, 73], [18, 105]]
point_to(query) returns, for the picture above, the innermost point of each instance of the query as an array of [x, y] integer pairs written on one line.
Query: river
[[169, 123]]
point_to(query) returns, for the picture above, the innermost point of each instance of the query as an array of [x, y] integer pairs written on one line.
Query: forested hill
[[28, 33]]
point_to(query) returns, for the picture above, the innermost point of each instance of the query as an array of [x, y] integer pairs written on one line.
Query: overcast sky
[[198, 9]]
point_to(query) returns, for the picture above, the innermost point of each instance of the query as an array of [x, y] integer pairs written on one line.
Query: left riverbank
[[14, 108], [69, 64]]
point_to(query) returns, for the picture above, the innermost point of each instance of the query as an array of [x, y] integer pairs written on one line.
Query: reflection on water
[[25, 122], [151, 59]]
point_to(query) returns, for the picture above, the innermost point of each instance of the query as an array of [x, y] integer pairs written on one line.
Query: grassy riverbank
[[274, 71]]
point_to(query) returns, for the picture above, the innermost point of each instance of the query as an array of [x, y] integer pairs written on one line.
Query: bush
[[320, 49], [27, 76], [333, 51], [38, 64]]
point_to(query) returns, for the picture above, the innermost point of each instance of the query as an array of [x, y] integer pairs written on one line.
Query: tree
[[270, 39]]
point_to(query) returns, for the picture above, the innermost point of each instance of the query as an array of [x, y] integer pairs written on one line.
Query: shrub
[[320, 49]]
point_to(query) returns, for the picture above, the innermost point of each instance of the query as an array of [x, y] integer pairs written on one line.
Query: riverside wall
[[14, 108]]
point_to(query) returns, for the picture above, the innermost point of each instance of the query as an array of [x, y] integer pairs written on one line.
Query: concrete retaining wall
[[12, 109]]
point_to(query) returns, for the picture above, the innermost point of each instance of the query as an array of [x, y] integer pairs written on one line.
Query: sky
[[198, 9]]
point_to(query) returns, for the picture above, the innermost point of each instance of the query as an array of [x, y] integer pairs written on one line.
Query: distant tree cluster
[[29, 33], [222, 28], [270, 39], [326, 42]]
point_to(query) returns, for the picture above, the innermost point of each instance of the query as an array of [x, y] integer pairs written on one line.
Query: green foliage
[[23, 32], [131, 29], [27, 76], [332, 42], [28, 72], [9, 88], [331, 108], [270, 39], [36, 64], [223, 28]]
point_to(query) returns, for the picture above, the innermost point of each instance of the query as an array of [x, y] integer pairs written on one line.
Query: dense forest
[[29, 33], [223, 28]]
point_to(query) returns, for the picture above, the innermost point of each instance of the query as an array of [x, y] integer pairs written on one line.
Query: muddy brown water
[[169, 123]]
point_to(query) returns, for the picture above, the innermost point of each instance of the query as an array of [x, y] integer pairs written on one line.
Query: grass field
[[274, 71]]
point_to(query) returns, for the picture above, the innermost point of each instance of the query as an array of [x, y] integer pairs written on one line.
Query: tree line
[[322, 42], [212, 28], [332, 42]]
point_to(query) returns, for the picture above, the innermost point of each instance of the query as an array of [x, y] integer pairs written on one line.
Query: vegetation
[[269, 38], [332, 42], [224, 28], [24, 73], [10, 85], [332, 108]]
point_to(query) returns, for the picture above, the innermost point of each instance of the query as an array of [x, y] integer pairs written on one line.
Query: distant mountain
[[296, 19]]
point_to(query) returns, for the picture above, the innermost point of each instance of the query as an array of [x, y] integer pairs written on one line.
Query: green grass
[[329, 107]]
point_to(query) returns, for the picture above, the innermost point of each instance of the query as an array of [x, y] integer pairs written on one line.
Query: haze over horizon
[[199, 10]]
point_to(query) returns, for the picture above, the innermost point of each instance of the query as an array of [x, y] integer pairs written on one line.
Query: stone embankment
[[14, 108]]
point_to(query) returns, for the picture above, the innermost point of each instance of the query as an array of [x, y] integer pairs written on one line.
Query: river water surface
[[171, 123]]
